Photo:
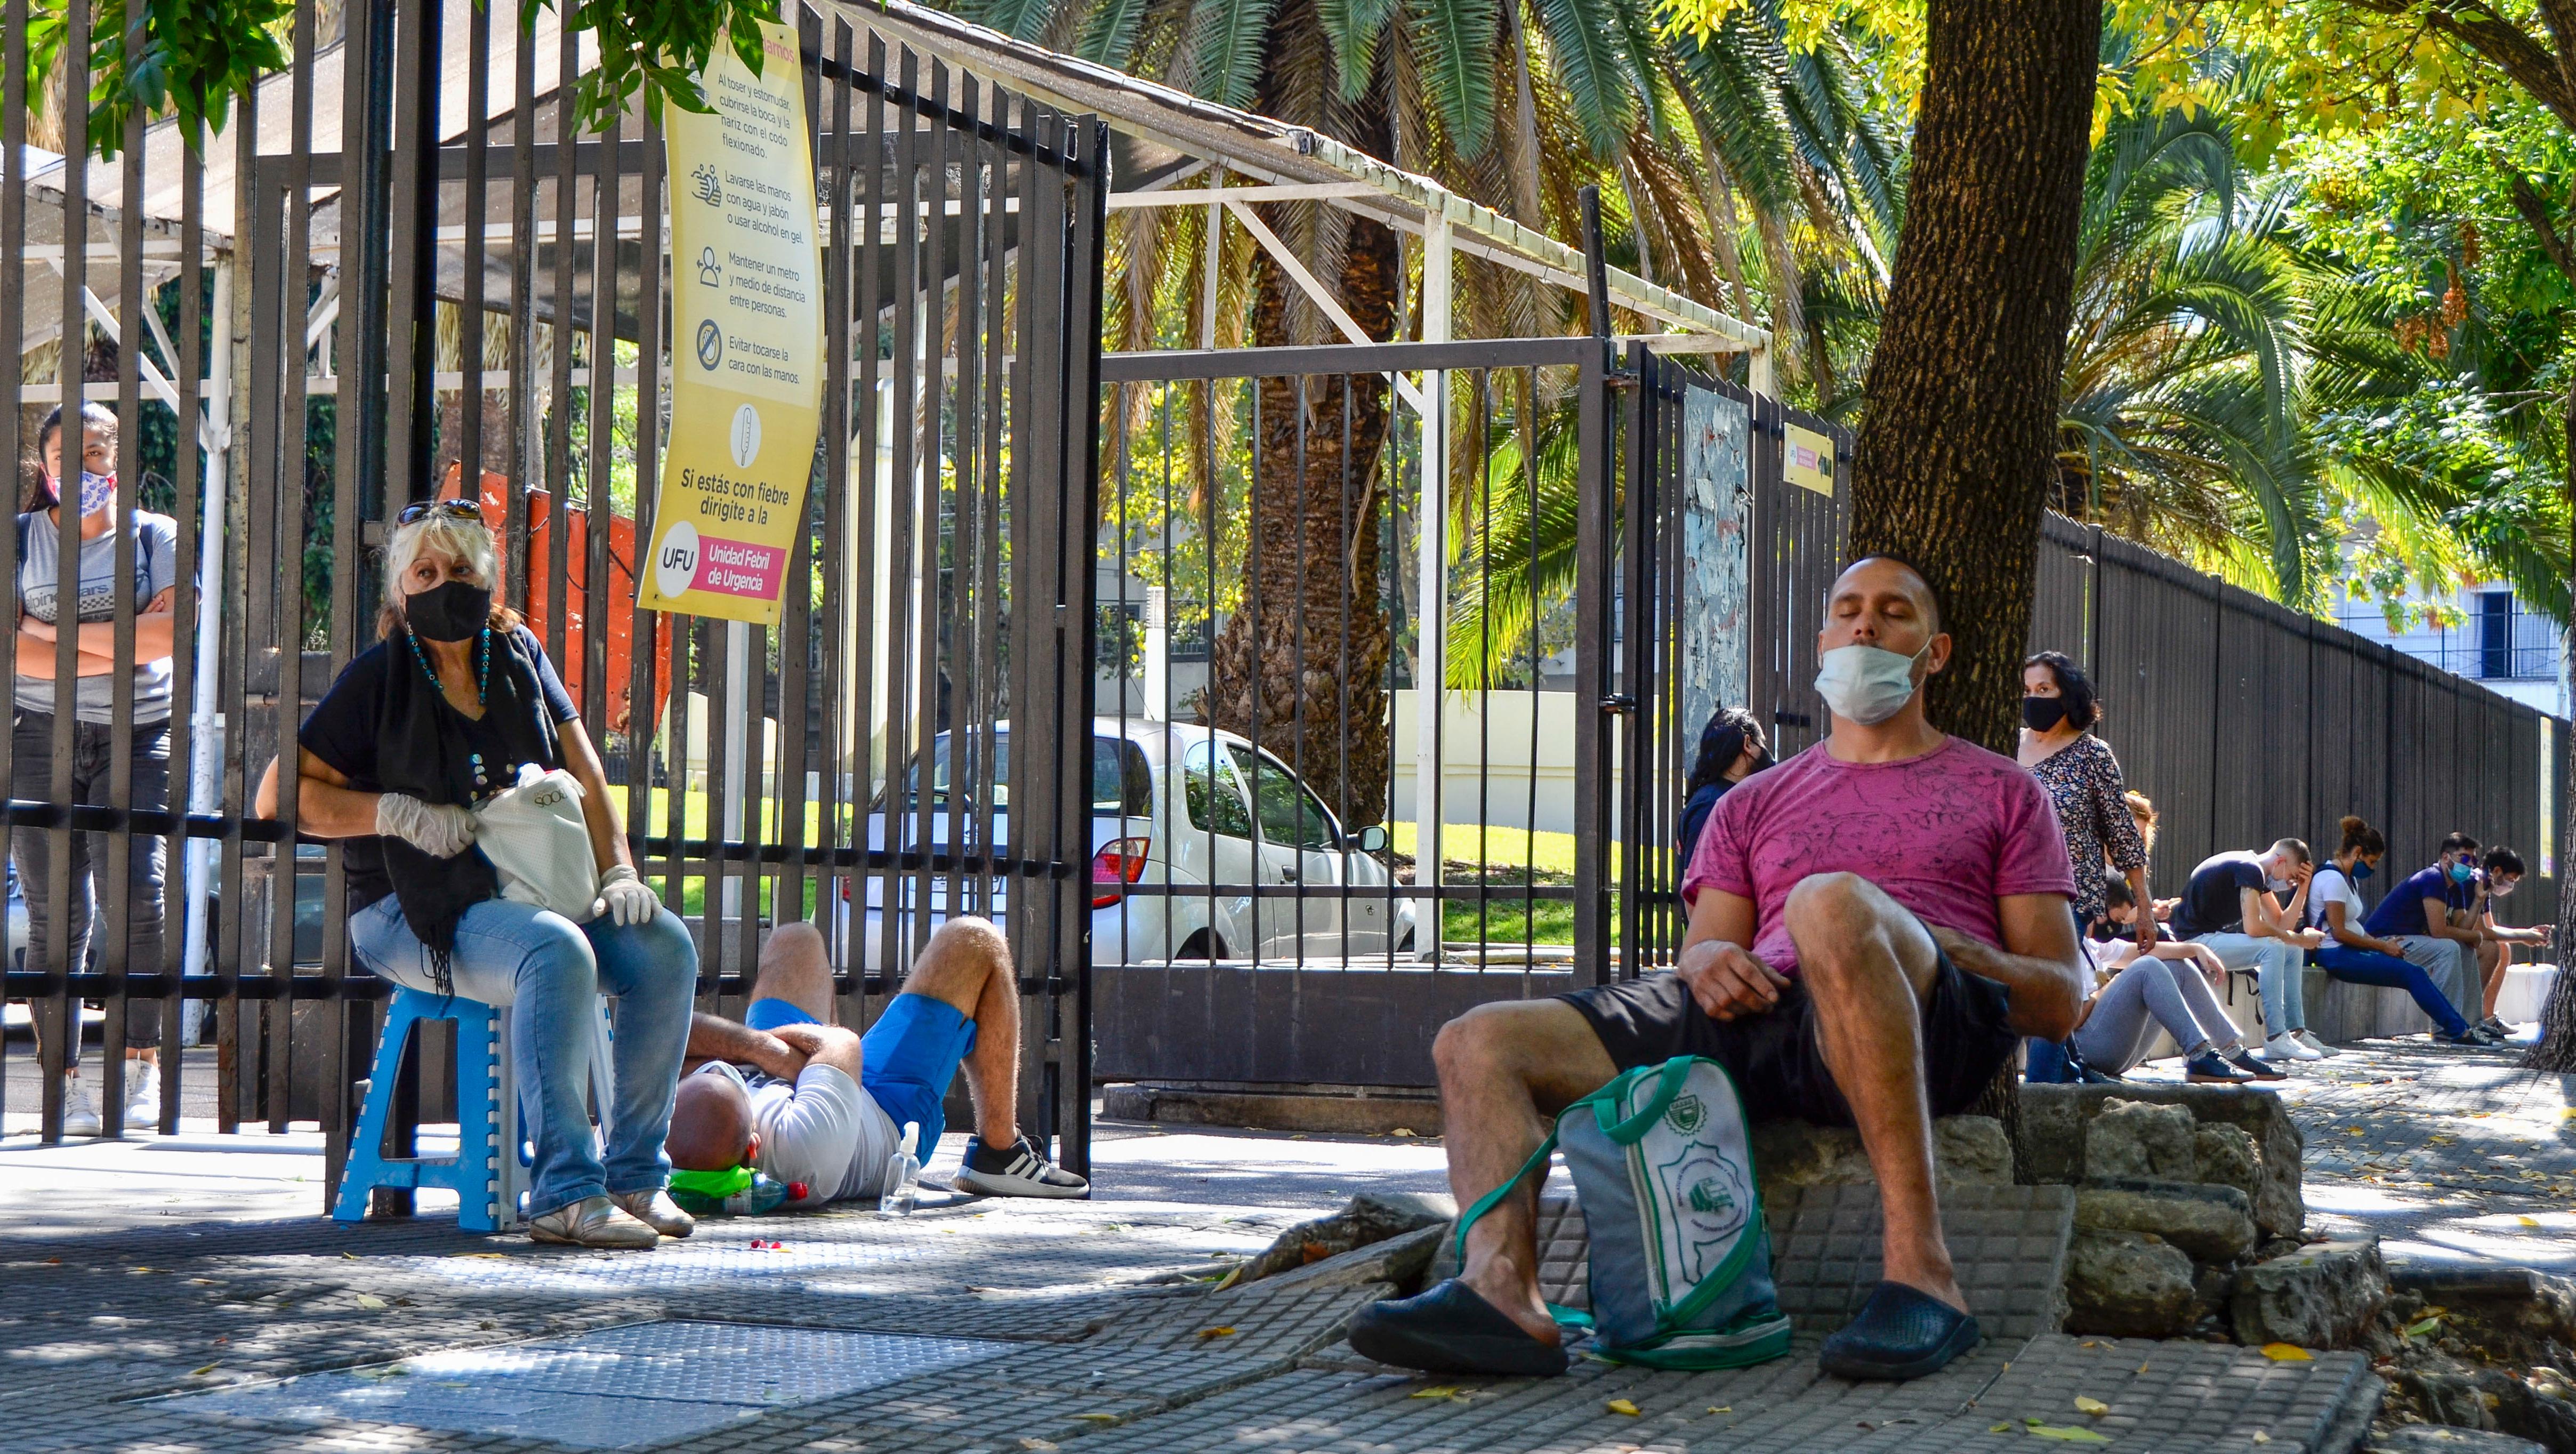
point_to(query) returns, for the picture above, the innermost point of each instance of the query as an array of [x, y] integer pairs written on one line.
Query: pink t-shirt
[[1945, 834]]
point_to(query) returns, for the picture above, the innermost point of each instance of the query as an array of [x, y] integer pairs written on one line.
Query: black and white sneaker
[[2495, 1025], [1014, 1171]]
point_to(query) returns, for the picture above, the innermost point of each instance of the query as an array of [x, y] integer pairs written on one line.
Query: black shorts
[[1777, 1062]]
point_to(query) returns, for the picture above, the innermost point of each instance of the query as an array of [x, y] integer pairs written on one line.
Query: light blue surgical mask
[[1867, 684], [2461, 873]]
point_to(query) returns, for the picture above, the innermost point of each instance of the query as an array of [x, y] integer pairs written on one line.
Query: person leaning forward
[[1873, 925]]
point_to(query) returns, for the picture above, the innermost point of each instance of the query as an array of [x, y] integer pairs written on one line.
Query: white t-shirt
[[2331, 885], [825, 1131]]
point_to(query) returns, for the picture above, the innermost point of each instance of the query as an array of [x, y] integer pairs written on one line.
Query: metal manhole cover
[[619, 1388]]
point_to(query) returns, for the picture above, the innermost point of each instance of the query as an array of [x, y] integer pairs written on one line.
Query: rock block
[[1368, 1219], [2131, 1284], [2443, 1439], [2212, 1224], [2139, 1141], [1966, 1151], [2225, 1156], [1400, 1260], [2322, 1296], [2057, 1123]]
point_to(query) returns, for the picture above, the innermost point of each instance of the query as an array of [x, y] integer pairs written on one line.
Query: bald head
[[710, 1124]]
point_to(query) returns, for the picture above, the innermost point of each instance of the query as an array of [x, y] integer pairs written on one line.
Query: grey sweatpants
[[2149, 993]]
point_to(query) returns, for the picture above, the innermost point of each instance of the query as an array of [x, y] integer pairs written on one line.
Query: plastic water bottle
[[902, 1176], [762, 1196]]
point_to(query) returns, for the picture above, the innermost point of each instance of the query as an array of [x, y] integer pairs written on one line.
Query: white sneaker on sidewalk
[[80, 1108], [2286, 1046], [142, 1095], [2309, 1038]]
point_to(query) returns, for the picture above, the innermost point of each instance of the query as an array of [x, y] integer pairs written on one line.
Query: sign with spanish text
[[1807, 459], [747, 361]]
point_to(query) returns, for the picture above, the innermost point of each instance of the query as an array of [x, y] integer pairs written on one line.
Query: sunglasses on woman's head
[[419, 510]]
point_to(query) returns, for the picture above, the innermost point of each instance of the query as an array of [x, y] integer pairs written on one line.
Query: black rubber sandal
[[1902, 1332], [1451, 1329]]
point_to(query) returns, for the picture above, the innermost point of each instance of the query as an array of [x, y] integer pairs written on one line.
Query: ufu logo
[[675, 566]]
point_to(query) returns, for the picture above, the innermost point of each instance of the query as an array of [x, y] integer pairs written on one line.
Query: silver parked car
[[1175, 805]]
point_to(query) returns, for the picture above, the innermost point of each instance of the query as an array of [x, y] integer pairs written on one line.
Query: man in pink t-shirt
[[1873, 925]]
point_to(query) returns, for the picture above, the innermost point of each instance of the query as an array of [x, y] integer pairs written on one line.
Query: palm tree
[[1698, 143]]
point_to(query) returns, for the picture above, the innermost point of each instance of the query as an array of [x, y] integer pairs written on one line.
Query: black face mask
[[2041, 713], [452, 611]]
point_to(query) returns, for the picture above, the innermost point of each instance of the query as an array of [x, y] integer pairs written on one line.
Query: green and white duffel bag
[[1681, 1258]]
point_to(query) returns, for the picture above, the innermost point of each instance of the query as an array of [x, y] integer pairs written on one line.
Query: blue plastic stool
[[488, 1173]]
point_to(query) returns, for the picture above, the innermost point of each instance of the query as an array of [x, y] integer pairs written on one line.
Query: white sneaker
[[2288, 1047], [80, 1108], [2310, 1040], [142, 1095]]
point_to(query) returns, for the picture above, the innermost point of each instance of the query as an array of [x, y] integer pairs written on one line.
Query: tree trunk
[[2557, 1048], [1301, 667], [1957, 449]]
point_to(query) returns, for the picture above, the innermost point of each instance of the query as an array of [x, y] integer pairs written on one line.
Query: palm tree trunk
[[1302, 666], [1957, 451]]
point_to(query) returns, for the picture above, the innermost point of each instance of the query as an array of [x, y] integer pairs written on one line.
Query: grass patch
[[1499, 849]]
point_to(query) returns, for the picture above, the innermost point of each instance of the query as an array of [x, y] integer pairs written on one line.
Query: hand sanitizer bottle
[[903, 1176]]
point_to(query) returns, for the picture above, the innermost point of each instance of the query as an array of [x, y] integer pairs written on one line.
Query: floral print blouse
[[2083, 779]]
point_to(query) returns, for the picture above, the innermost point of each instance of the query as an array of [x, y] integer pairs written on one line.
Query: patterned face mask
[[97, 492]]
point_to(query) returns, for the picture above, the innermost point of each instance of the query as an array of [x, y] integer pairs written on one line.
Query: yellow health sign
[[747, 355], [1807, 459]]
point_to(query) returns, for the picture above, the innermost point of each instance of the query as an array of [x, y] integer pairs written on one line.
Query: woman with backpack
[[86, 480]]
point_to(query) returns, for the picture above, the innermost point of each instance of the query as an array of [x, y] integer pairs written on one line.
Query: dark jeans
[[2367, 966], [31, 778]]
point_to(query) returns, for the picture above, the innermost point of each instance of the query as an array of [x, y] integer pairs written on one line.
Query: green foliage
[[189, 59], [656, 47]]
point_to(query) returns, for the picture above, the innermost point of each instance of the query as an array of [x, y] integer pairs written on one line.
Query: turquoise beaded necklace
[[482, 681]]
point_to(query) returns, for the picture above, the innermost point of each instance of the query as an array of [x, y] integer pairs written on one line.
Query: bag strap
[[1676, 1072]]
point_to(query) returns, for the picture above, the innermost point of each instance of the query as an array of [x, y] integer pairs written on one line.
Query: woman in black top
[[1731, 749], [434, 718]]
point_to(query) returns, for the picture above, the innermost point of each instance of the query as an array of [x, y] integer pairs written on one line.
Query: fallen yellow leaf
[[2286, 1353], [1038, 1446], [201, 1372], [2262, 1438], [1621, 1406], [1999, 1429], [2528, 1221], [1444, 1391], [2093, 1406], [1224, 1332], [1721, 1408], [1097, 1418], [2066, 1435], [2142, 1368], [367, 1301], [352, 1256]]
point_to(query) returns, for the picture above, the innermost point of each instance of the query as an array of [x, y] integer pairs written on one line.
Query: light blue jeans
[[2281, 968], [552, 971]]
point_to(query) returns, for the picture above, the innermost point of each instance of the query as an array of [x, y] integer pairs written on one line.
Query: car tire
[[1202, 944]]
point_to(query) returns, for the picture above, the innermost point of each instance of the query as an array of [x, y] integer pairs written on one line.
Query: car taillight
[[1120, 862]]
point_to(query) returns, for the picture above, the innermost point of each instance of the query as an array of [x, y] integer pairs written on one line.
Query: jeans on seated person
[[2370, 967], [2279, 966], [552, 971], [2451, 965], [2148, 993]]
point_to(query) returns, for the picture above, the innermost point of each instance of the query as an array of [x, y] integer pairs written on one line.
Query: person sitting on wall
[[2169, 985], [1873, 925], [2500, 873], [2231, 905], [2427, 920], [825, 1106], [2353, 955]]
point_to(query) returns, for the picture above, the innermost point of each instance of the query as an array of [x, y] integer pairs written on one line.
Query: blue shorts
[[906, 1060]]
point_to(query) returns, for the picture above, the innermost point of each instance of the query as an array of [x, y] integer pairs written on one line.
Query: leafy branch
[[190, 58]]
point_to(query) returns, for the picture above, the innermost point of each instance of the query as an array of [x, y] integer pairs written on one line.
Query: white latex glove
[[440, 830], [624, 898]]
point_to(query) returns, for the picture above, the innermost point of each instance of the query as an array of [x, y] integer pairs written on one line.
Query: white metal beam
[[1316, 293]]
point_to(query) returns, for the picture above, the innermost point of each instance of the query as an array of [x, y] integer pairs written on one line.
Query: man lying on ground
[[1873, 925], [826, 1106]]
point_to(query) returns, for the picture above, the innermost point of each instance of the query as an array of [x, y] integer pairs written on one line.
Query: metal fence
[[2246, 721], [405, 270]]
